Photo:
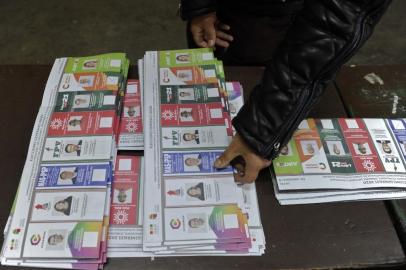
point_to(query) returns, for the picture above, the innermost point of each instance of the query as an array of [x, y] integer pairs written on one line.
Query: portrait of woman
[[64, 206], [196, 191]]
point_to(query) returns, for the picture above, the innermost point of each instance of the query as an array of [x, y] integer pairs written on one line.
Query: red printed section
[[125, 191], [82, 123], [361, 146], [123, 215], [192, 114], [131, 119], [227, 122]]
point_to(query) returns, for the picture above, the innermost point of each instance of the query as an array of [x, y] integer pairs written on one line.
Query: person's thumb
[[210, 35], [224, 160]]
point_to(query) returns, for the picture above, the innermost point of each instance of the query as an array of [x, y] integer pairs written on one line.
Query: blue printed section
[[96, 174], [191, 163], [398, 127]]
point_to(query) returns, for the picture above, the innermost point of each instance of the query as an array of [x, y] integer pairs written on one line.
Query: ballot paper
[[83, 123], [178, 163], [125, 230], [102, 72], [187, 124], [131, 136], [60, 214], [235, 97], [342, 159], [74, 175]]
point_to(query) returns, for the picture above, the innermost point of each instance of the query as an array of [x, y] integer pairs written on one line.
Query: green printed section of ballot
[[179, 58], [288, 161], [337, 152], [113, 62], [86, 101]]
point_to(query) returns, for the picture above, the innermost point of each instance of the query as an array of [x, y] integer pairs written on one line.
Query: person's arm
[[324, 35], [206, 30], [190, 9]]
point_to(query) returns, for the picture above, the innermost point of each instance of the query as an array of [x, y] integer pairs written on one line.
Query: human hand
[[222, 38], [207, 31], [249, 167]]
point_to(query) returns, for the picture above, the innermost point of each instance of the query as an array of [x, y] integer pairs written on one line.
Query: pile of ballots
[[80, 202], [60, 214], [330, 160], [125, 237], [190, 207]]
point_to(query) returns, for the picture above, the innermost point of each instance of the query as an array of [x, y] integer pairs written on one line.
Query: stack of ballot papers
[[126, 215], [131, 135], [330, 160], [79, 201], [60, 215], [191, 208], [125, 230]]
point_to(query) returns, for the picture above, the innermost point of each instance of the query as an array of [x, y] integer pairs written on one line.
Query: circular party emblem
[[175, 223], [35, 239]]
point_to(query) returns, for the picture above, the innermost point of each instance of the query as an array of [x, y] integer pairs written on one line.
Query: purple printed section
[[238, 246], [85, 240], [192, 163], [398, 128], [74, 175], [236, 92], [228, 222]]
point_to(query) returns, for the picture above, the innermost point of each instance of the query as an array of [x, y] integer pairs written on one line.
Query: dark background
[[36, 32]]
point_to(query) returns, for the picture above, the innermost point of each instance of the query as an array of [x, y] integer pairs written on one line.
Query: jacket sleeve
[[324, 35], [190, 9]]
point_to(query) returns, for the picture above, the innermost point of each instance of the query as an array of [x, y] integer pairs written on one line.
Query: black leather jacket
[[194, 8], [323, 36]]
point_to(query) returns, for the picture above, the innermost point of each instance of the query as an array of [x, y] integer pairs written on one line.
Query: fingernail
[[218, 163], [211, 43]]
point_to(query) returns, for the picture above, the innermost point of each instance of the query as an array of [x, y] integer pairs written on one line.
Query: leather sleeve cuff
[[256, 129], [190, 9]]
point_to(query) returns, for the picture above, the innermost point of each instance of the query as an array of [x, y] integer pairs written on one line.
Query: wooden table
[[322, 236], [377, 92], [373, 91]]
